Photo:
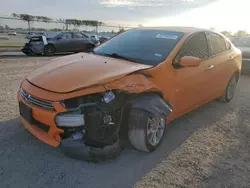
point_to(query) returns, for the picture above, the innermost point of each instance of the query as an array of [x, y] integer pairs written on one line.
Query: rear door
[[222, 57]]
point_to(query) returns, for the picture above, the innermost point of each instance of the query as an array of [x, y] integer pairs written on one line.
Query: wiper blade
[[118, 56]]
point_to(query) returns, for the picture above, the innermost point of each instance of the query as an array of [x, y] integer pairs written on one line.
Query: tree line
[[93, 23], [239, 33], [68, 22]]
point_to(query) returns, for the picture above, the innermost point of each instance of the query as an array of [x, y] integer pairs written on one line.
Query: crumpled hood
[[73, 72]]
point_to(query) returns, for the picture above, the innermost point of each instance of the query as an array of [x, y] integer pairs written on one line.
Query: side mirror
[[59, 38], [189, 61]]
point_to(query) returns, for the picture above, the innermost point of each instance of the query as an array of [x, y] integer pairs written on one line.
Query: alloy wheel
[[155, 129]]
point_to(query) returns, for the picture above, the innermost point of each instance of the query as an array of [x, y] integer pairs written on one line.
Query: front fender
[[152, 103], [134, 83]]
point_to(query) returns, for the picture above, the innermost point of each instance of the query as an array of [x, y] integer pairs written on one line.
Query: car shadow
[[24, 158], [230, 168]]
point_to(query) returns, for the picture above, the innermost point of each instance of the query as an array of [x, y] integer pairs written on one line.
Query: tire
[[230, 90], [49, 50], [139, 130]]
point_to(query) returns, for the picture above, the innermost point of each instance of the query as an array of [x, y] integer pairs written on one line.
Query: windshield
[[242, 42], [148, 47]]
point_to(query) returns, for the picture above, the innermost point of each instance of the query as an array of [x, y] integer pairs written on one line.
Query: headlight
[[70, 120], [108, 97]]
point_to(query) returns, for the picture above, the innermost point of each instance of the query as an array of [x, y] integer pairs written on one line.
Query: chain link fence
[[20, 26]]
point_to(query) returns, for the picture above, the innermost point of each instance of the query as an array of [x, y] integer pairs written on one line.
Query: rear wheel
[[230, 90], [145, 130], [49, 50]]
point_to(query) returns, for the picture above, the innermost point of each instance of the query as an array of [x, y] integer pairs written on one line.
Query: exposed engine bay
[[98, 118], [101, 116]]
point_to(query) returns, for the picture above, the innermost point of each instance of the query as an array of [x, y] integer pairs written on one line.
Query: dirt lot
[[11, 74], [209, 147], [18, 40]]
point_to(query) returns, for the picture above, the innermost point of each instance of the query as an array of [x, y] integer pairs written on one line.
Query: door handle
[[210, 67]]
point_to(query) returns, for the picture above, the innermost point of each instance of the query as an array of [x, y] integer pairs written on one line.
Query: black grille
[[36, 101], [42, 126]]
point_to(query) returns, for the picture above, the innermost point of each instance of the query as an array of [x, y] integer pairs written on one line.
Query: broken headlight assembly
[[76, 118], [93, 118], [70, 120]]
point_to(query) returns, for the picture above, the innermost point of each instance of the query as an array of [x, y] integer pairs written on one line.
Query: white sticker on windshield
[[158, 55], [173, 37]]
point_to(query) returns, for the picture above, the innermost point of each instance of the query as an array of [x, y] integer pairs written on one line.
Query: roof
[[177, 28]]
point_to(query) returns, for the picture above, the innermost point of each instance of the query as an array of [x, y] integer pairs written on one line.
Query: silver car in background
[[63, 42]]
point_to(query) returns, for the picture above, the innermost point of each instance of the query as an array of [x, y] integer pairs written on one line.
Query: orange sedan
[[133, 84]]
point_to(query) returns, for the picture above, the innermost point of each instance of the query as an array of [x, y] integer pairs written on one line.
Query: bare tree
[[68, 22], [78, 23], [43, 19], [25, 17]]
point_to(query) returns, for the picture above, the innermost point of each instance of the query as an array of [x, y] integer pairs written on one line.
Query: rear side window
[[218, 44], [195, 46]]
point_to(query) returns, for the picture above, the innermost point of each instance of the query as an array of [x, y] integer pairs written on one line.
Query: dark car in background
[[63, 42], [243, 43]]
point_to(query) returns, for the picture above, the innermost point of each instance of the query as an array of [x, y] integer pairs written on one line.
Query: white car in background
[[12, 33]]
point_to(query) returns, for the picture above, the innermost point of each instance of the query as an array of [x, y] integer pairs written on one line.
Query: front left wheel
[[145, 130]]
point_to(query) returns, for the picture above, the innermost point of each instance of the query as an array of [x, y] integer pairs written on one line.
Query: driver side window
[[196, 46]]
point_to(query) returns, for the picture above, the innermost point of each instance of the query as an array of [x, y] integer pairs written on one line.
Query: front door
[[65, 42], [191, 84]]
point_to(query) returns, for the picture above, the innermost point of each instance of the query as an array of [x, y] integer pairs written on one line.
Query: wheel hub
[[231, 89], [155, 130]]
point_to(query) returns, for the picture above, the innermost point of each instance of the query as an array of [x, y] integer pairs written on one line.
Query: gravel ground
[[11, 74], [18, 40], [209, 147]]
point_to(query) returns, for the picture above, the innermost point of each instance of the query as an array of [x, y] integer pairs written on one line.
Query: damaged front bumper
[[88, 131], [78, 150]]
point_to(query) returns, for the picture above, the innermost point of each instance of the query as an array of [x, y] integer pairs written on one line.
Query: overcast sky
[[206, 13], [111, 11]]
